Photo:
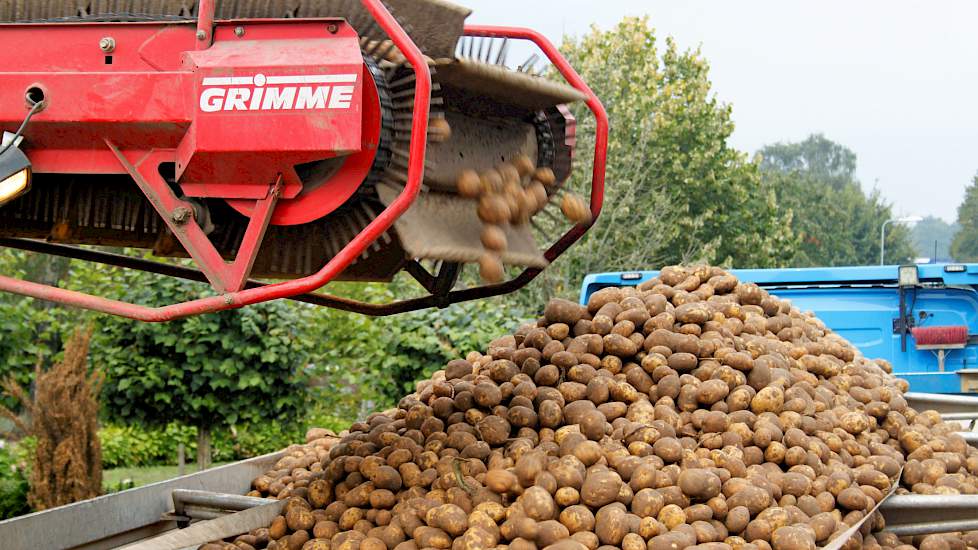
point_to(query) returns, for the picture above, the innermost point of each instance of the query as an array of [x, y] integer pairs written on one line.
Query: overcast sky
[[895, 81]]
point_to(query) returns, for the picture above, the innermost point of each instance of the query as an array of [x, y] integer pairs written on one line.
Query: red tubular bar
[[383, 222], [575, 80], [205, 23]]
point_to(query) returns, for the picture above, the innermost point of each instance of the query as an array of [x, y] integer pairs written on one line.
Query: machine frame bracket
[[179, 217]]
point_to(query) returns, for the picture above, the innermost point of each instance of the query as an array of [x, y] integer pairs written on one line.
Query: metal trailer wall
[[115, 520]]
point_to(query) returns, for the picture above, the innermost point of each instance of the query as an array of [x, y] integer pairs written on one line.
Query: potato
[[852, 498], [671, 516], [538, 504], [769, 399], [593, 425], [493, 209], [567, 496], [551, 531], [611, 524], [493, 429], [620, 346], [449, 518], [313, 544], [600, 488], [501, 481], [682, 361], [699, 484], [493, 238], [569, 544], [711, 391], [668, 449], [469, 184], [792, 538], [278, 528], [577, 518], [491, 268], [575, 209], [647, 503], [823, 524], [431, 537], [753, 498]]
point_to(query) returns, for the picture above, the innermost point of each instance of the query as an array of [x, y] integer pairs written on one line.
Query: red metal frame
[[384, 220], [205, 23], [179, 217]]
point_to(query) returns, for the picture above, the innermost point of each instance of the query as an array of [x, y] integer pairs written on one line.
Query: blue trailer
[[877, 308]]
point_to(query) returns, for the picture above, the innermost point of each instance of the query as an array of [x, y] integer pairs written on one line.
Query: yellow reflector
[[15, 185]]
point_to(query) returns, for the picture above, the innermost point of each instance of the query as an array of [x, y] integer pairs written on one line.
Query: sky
[[896, 81]]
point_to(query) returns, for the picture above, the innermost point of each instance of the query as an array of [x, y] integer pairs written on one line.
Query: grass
[[112, 479]]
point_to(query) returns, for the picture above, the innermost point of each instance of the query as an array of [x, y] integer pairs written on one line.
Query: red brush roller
[[951, 335]]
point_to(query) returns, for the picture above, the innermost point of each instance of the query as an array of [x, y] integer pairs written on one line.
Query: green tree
[[964, 248], [30, 330], [835, 221], [932, 238], [817, 156], [676, 191], [236, 367]]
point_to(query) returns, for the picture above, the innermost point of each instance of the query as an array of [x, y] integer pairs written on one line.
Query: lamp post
[[905, 219]]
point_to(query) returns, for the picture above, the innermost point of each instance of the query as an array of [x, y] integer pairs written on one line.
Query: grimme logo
[[274, 93]]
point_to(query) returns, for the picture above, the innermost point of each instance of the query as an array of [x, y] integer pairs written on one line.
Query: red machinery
[[276, 139]]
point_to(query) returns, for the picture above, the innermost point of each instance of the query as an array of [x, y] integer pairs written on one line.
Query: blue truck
[[888, 312]]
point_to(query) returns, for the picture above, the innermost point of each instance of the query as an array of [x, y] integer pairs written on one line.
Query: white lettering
[[247, 93], [211, 100], [278, 98], [236, 99], [341, 97], [256, 99], [309, 99]]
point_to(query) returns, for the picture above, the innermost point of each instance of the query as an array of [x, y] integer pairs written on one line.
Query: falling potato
[[545, 175], [469, 184], [493, 209], [575, 209], [524, 165], [493, 238], [491, 268], [439, 130], [492, 181], [509, 174]]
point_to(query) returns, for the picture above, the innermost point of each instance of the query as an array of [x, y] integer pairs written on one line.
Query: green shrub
[[134, 446], [137, 446], [251, 441], [13, 484]]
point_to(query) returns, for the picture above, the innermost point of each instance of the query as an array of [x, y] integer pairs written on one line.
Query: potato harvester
[[304, 141]]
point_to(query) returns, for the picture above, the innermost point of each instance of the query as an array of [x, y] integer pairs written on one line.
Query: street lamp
[[906, 219]]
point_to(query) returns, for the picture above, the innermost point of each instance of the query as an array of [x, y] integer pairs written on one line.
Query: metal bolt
[[332, 28], [201, 34], [181, 215], [239, 31], [107, 44]]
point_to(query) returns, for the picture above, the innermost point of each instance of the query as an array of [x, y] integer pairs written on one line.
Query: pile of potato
[[694, 411]]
